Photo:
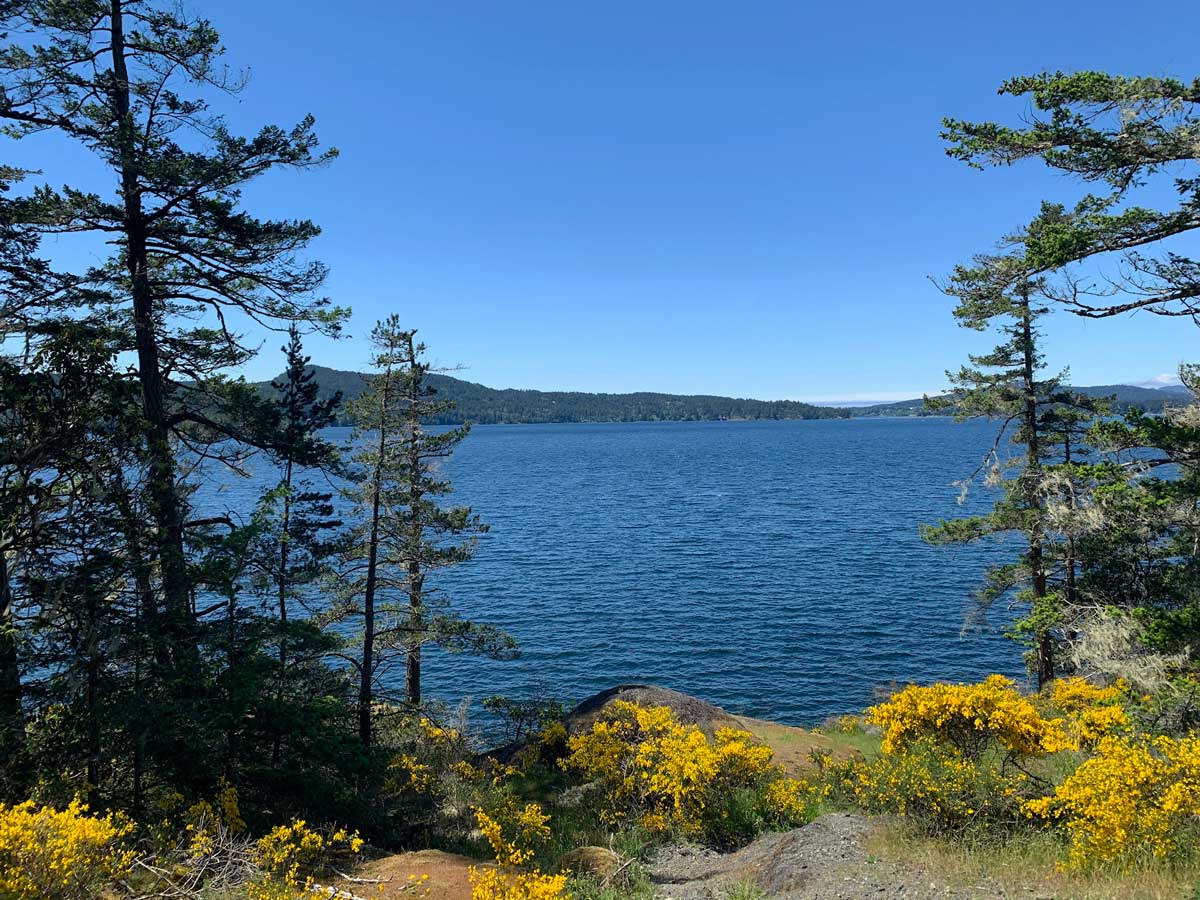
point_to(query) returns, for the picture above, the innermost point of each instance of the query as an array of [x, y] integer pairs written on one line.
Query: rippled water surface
[[773, 568]]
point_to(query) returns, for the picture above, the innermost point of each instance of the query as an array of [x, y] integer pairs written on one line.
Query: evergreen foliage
[[1129, 519], [403, 534], [147, 650], [1039, 416]]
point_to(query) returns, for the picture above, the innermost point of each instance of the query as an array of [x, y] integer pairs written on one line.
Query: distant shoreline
[[482, 405], [680, 421]]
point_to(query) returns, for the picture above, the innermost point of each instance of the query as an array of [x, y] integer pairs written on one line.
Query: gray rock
[[824, 860]]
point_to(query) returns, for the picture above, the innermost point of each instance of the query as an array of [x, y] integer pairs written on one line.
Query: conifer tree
[[1102, 257], [115, 77], [24, 449], [1036, 412], [73, 589], [1120, 133], [1142, 550], [297, 536], [404, 534], [305, 515]]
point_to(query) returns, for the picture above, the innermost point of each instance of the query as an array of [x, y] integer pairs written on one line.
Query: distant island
[[484, 405], [1124, 396]]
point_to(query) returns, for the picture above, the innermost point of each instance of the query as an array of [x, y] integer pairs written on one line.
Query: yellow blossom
[[49, 854]]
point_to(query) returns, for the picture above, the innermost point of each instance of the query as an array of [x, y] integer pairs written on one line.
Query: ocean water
[[772, 568]]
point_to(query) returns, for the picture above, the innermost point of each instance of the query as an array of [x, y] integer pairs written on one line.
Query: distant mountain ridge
[[490, 406]]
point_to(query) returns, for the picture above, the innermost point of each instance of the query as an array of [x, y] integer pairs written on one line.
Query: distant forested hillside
[[1127, 397], [487, 406]]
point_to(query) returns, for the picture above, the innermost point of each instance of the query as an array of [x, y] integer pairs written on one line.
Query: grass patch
[[1026, 862], [745, 890], [846, 744], [631, 884]]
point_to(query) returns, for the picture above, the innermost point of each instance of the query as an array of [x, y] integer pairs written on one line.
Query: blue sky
[[742, 199]]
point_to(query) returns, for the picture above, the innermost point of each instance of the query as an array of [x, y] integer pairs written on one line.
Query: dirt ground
[[399, 877]]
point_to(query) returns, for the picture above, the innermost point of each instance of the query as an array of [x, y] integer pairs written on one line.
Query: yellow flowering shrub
[[288, 854], [969, 717], [431, 784], [408, 772], [843, 724], [204, 819], [49, 854], [951, 754], [552, 741], [663, 775], [1090, 712], [493, 884], [1093, 723], [513, 832], [787, 801], [432, 751], [1073, 694], [436, 735], [1134, 798], [936, 786]]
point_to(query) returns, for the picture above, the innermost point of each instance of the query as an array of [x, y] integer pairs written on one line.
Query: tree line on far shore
[[471, 402]]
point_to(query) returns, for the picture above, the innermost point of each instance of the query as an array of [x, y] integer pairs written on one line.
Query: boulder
[[689, 710], [597, 861]]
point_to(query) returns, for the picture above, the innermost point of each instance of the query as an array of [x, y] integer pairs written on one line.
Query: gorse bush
[[514, 832], [49, 854], [936, 786], [431, 784], [1075, 694], [288, 855], [961, 755], [1091, 712], [493, 884], [1135, 798], [970, 718], [663, 776], [1072, 758]]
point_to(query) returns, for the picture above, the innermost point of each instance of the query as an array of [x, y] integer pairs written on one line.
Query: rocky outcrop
[[688, 710], [824, 860], [793, 746]]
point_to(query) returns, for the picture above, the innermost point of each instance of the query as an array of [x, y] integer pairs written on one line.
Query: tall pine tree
[[1107, 255], [404, 534], [1035, 411], [189, 264]]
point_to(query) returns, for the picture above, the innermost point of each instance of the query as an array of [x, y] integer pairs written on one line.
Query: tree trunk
[[93, 732], [367, 668], [283, 566], [412, 668], [165, 506], [92, 696], [277, 740], [234, 662], [12, 726], [367, 665], [1037, 566]]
